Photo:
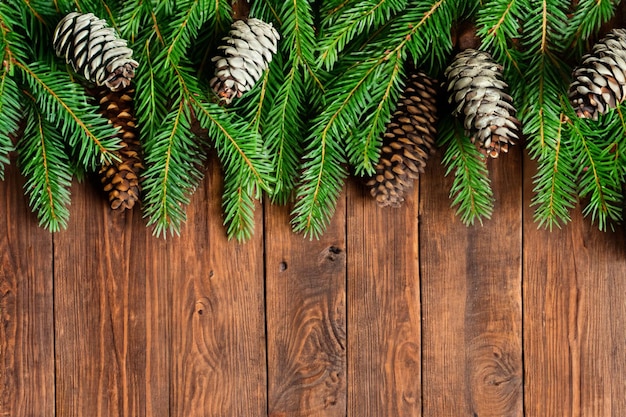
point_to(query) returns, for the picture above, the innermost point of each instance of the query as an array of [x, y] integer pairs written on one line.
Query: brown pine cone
[[407, 142], [120, 178]]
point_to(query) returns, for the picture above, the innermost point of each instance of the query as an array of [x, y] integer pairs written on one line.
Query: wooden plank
[[384, 347], [574, 318], [100, 307], [218, 328], [306, 312], [471, 299], [26, 307]]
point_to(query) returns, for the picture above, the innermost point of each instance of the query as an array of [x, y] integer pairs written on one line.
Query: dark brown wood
[[306, 317], [392, 312], [472, 300], [574, 318], [384, 347], [26, 307], [218, 323], [100, 304]]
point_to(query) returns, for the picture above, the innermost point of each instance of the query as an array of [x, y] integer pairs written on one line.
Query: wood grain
[[471, 299], [26, 307], [100, 302], [306, 317], [384, 346], [574, 318], [218, 323]]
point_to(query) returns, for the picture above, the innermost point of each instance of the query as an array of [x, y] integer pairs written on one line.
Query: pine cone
[[407, 142], [476, 88], [600, 81], [94, 50], [249, 50], [121, 178]]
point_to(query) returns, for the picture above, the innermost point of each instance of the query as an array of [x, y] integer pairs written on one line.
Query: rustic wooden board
[[471, 299], [574, 318], [26, 307], [306, 317], [384, 347], [218, 328], [100, 332]]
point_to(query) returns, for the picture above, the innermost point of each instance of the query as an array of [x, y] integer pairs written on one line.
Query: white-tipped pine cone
[[476, 88], [599, 83], [407, 143], [94, 50], [248, 51]]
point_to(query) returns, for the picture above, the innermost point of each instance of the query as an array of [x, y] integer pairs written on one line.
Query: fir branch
[[11, 114], [321, 184], [266, 10], [595, 145], [541, 107], [499, 25], [555, 187], [546, 73], [183, 27], [247, 169], [331, 8], [546, 30], [356, 92], [471, 189], [343, 27], [363, 146], [173, 161], [153, 92], [238, 203], [138, 23], [282, 131], [65, 105], [586, 20], [423, 35], [13, 45], [47, 172], [298, 33]]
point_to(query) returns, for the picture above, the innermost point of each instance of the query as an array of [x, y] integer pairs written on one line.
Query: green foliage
[[599, 148], [359, 98], [316, 115], [471, 188], [587, 19], [47, 168]]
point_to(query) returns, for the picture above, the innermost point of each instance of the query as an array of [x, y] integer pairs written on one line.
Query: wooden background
[[392, 313]]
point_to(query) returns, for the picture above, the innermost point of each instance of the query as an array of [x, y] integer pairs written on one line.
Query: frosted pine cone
[[248, 51], [599, 83], [476, 88], [407, 143], [94, 50]]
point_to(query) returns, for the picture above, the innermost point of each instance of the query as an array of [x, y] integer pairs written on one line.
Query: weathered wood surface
[[392, 313]]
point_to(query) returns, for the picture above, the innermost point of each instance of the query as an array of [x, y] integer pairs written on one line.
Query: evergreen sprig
[[499, 26], [555, 181], [358, 105], [471, 189], [599, 148], [47, 170], [342, 24], [318, 112], [587, 19]]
